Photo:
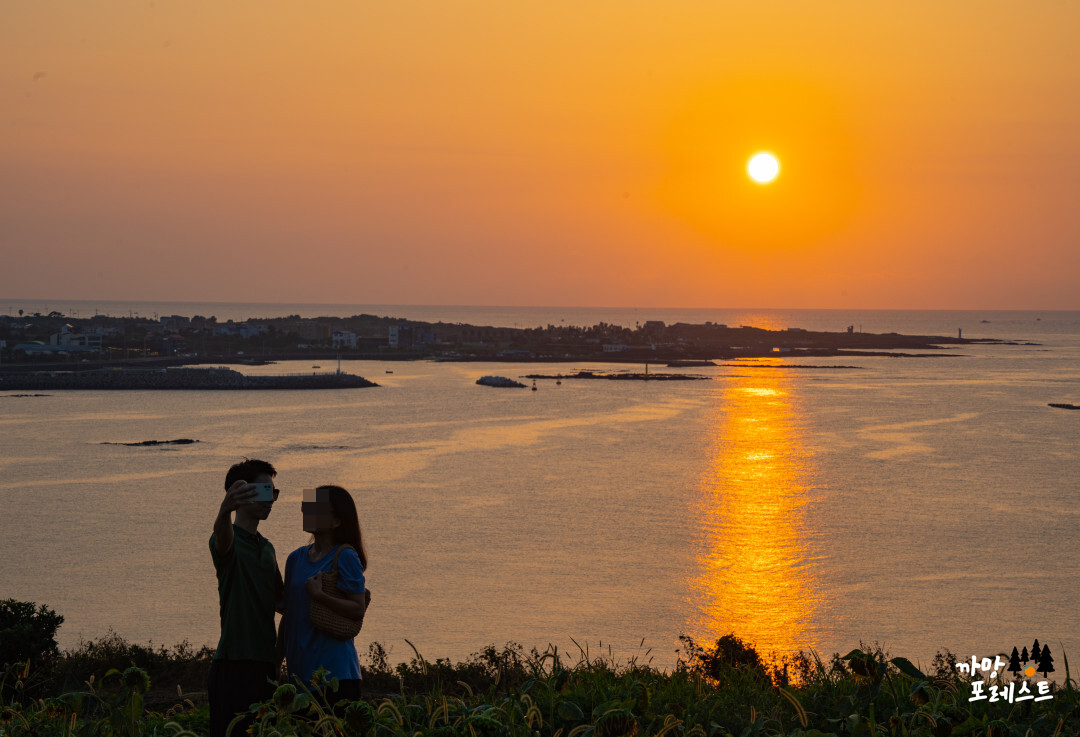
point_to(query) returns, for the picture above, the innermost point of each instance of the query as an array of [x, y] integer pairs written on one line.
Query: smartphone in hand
[[264, 493]]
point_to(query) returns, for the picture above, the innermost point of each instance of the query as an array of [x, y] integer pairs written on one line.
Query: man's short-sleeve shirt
[[249, 587]]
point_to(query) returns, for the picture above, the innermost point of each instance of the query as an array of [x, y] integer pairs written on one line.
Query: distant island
[[54, 341]]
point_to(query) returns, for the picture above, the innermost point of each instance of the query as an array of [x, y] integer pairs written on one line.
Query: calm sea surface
[[918, 502]]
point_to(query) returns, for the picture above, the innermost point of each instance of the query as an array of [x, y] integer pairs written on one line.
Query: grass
[[725, 689]]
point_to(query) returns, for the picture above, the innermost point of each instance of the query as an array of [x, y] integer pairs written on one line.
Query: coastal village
[[30, 340]]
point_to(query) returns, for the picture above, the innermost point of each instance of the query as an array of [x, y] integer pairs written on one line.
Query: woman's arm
[[352, 606]]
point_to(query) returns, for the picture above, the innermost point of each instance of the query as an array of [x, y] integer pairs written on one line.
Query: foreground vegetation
[[724, 690], [113, 688]]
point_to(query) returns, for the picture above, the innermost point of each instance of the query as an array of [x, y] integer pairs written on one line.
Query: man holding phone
[[249, 586]]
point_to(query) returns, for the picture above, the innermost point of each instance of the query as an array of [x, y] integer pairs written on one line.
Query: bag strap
[[341, 547]]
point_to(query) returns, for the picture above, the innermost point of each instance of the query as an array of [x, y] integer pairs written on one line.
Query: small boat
[[534, 385], [1063, 405], [316, 366], [558, 381], [389, 371]]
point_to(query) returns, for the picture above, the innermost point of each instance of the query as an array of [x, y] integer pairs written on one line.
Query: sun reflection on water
[[754, 575]]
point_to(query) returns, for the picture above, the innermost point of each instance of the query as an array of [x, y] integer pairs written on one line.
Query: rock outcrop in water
[[499, 381], [178, 441]]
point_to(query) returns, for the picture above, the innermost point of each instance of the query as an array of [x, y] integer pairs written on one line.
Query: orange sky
[[547, 153]]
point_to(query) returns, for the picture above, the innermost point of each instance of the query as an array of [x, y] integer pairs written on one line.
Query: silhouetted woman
[[330, 516]]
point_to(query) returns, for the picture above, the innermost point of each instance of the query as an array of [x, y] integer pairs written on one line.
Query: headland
[[58, 342]]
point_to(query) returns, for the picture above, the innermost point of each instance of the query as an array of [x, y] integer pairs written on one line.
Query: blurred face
[[318, 514]]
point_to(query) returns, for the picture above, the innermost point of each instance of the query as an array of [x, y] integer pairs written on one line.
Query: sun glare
[[763, 168]]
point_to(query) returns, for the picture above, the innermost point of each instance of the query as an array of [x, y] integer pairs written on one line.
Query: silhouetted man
[[249, 585]]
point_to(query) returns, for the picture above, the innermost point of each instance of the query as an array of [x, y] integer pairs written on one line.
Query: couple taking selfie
[[320, 616]]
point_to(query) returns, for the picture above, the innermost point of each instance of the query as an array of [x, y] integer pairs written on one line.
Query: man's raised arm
[[241, 492]]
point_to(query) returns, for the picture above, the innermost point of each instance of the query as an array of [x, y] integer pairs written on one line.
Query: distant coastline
[[59, 342], [909, 321]]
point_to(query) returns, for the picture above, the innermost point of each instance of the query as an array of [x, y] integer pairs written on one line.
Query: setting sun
[[763, 168]]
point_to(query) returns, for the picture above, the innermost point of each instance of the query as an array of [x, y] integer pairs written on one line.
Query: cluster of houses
[[177, 335]]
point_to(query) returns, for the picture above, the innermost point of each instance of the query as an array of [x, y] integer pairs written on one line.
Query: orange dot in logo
[[1029, 671]]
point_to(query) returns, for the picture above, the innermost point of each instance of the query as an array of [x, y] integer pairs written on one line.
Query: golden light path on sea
[[754, 576]]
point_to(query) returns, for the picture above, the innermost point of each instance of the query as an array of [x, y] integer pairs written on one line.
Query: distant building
[[172, 345], [203, 323], [401, 336], [36, 347], [174, 323], [410, 336], [83, 341], [343, 339], [240, 329]]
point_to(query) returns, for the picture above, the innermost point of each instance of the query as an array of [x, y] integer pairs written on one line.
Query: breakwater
[[176, 378]]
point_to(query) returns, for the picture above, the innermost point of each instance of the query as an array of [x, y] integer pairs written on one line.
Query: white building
[[89, 340], [343, 339]]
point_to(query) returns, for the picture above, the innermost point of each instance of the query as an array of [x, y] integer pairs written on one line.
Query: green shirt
[[249, 588]]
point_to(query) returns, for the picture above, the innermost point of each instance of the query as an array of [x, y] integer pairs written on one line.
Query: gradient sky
[[554, 153]]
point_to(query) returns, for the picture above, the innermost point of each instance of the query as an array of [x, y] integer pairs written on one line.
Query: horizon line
[[537, 306]]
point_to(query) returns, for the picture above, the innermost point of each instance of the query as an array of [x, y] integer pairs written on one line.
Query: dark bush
[[28, 633], [728, 652], [182, 666]]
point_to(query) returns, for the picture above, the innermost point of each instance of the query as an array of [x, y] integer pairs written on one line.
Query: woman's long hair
[[348, 532]]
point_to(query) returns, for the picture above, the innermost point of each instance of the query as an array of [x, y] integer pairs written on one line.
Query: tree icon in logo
[[1046, 661], [1014, 661]]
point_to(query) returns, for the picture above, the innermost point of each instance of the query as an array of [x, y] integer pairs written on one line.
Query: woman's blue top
[[307, 648]]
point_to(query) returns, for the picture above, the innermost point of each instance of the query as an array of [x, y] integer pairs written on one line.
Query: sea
[[918, 504]]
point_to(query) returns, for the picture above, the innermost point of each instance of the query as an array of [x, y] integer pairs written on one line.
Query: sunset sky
[[512, 153]]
